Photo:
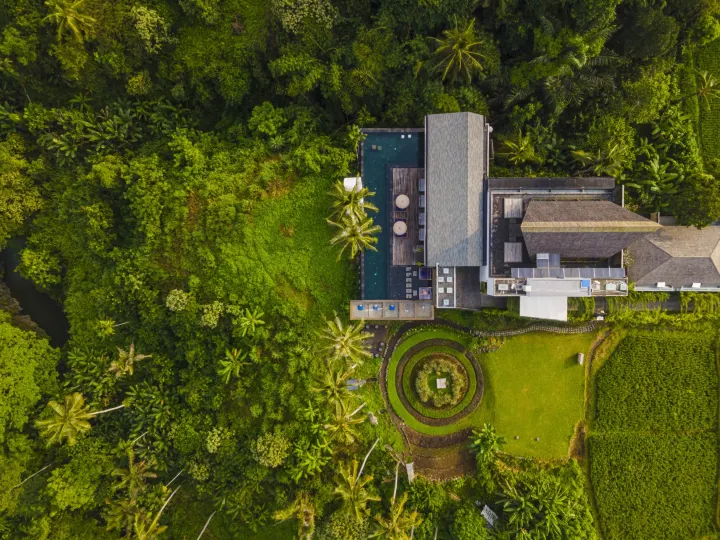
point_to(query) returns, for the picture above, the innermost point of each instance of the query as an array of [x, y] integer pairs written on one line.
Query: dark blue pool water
[[392, 150]]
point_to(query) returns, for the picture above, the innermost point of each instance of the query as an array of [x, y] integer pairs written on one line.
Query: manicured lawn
[[533, 388]]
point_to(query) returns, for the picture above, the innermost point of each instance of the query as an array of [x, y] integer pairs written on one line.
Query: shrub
[[436, 367], [469, 524], [478, 345], [581, 309]]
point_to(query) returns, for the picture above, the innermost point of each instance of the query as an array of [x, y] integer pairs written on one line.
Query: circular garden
[[437, 381]]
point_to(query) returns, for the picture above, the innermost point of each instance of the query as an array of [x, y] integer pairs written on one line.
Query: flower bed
[[440, 367]]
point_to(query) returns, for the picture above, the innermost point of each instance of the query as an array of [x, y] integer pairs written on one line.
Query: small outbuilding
[[490, 516]]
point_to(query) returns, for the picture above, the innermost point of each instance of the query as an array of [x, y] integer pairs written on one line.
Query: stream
[[40, 307]]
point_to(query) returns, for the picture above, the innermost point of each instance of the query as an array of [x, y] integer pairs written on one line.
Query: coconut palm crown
[[355, 235], [345, 342]]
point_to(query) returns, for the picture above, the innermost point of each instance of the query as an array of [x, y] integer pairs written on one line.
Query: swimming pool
[[383, 150]]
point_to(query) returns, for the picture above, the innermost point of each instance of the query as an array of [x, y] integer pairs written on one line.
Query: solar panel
[[587, 273]]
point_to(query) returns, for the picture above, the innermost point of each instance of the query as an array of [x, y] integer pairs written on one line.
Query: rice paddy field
[[706, 58], [653, 441]]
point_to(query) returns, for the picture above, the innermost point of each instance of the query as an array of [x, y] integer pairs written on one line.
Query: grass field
[[653, 441], [533, 388]]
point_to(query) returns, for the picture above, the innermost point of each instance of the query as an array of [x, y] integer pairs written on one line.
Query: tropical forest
[[178, 253]]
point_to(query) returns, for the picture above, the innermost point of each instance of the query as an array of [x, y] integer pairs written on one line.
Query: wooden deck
[[406, 181]]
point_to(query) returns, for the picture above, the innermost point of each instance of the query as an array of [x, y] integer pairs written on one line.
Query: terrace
[[507, 248]]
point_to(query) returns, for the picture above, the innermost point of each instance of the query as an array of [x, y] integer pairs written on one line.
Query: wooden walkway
[[406, 182]]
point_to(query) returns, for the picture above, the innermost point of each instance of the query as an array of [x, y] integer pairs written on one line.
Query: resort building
[[454, 237], [676, 259]]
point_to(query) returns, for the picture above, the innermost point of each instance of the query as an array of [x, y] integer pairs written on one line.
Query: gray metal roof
[[678, 256], [587, 182], [454, 172], [582, 229]]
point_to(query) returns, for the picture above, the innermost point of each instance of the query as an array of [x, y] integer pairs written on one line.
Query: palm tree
[[342, 424], [352, 203], [121, 515], [398, 523], [519, 149], [356, 235], [519, 507], [486, 442], [125, 363], [250, 321], [604, 162], [68, 15], [332, 385], [459, 52], [230, 367], [146, 526], [303, 510], [345, 342], [69, 419], [351, 489], [708, 87], [311, 461], [134, 477], [657, 183]]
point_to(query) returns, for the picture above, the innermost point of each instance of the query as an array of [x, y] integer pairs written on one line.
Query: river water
[[40, 307]]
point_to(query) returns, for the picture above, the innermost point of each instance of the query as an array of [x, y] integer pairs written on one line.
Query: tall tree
[[69, 16], [231, 365], [459, 52], [147, 526], [352, 203], [250, 321], [135, 476], [125, 363], [518, 149], [342, 423], [303, 510], [332, 385], [345, 342], [69, 419], [354, 491], [399, 523], [357, 236]]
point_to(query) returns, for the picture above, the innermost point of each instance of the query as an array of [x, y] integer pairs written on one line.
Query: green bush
[[437, 367], [581, 309], [654, 486], [480, 345], [658, 381]]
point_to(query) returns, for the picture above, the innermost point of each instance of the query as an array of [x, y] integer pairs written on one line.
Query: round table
[[400, 228], [402, 201]]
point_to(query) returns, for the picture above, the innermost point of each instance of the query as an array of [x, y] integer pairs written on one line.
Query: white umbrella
[[402, 201]]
